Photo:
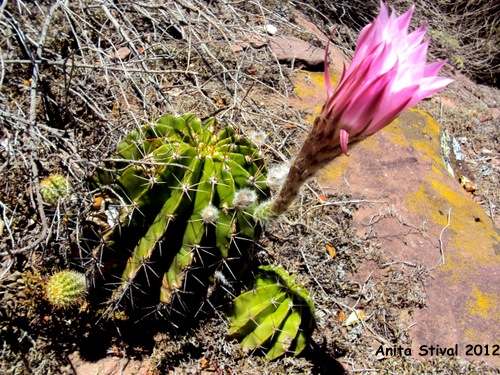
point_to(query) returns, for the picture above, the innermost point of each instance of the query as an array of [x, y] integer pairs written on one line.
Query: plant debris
[[77, 76]]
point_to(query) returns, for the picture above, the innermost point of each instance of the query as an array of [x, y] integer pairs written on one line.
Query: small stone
[[271, 29], [120, 54]]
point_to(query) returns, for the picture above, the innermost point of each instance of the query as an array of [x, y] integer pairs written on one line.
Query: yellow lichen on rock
[[486, 305], [401, 166], [310, 88], [309, 83]]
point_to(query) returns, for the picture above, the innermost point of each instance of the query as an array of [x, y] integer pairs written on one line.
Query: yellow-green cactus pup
[[66, 289], [53, 187]]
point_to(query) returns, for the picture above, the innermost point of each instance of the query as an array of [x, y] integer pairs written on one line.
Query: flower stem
[[321, 146]]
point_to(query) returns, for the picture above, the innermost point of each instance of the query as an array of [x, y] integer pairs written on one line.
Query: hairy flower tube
[[388, 74]]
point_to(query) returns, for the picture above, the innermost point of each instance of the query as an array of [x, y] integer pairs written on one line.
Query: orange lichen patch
[[311, 92], [440, 193], [312, 116], [340, 165], [396, 135], [310, 89], [310, 84], [467, 220], [434, 200]]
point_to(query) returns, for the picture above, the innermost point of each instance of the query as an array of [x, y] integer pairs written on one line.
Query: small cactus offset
[[53, 187], [66, 289], [188, 194], [276, 315]]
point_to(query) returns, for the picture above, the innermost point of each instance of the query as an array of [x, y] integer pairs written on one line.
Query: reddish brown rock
[[420, 214], [290, 49]]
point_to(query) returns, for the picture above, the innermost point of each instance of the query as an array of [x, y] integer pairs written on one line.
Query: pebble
[[271, 29]]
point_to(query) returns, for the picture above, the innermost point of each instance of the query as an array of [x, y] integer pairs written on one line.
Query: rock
[[337, 59], [120, 54], [109, 366], [428, 218], [290, 49], [271, 29], [250, 40]]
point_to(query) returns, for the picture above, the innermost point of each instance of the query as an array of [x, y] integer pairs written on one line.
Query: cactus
[[53, 187], [276, 315], [66, 289], [188, 195], [185, 205]]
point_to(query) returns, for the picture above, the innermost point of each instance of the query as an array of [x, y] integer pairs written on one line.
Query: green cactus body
[[53, 187], [276, 315], [178, 181], [66, 289]]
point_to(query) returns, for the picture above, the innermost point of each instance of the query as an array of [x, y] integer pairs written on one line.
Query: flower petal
[[387, 75], [344, 140]]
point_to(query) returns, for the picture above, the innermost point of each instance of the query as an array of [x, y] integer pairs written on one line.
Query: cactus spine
[[66, 289]]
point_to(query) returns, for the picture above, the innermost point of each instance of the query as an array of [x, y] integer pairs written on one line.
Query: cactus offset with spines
[[276, 315], [53, 187], [178, 181], [66, 289]]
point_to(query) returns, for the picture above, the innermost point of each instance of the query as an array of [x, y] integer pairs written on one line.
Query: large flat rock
[[423, 215]]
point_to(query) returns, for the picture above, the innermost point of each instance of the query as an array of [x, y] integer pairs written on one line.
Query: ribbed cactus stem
[[195, 190], [275, 315]]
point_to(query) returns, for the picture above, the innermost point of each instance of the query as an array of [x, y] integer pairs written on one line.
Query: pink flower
[[388, 74]]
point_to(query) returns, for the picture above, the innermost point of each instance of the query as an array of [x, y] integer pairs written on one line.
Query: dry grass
[[465, 32], [66, 99]]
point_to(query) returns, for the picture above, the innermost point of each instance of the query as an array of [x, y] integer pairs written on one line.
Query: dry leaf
[[120, 54], [204, 363], [355, 317], [341, 317], [252, 71], [467, 184], [331, 249], [97, 204], [220, 103]]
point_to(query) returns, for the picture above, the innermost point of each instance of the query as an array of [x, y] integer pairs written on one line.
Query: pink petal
[[403, 22], [417, 36], [390, 115], [429, 86], [433, 69], [344, 140], [329, 90]]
